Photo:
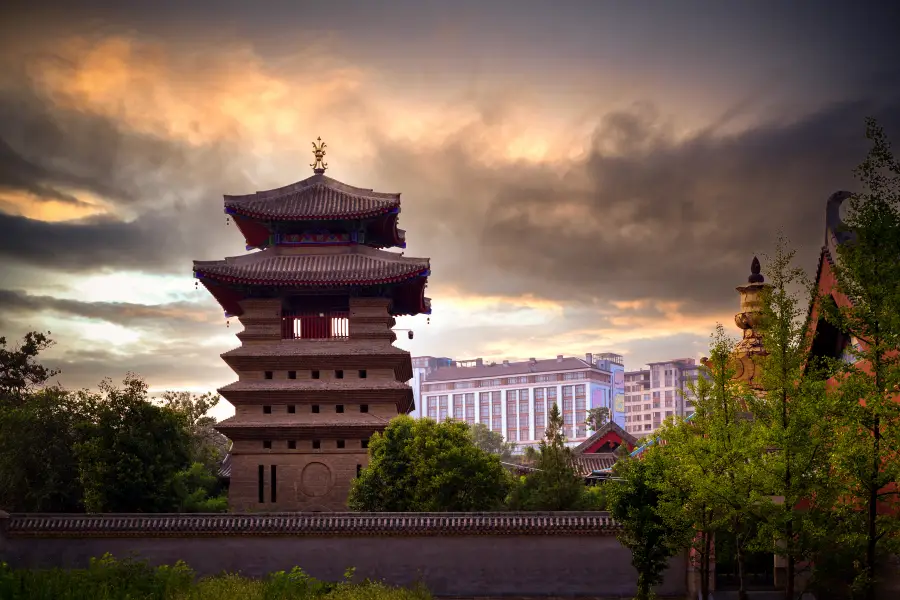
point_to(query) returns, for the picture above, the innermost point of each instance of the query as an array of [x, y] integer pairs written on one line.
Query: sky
[[585, 175]]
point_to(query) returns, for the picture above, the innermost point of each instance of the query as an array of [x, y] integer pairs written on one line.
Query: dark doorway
[[759, 567]]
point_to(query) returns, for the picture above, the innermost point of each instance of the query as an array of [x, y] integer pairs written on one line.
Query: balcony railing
[[314, 326]]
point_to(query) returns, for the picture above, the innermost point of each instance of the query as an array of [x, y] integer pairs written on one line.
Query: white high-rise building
[[659, 392]]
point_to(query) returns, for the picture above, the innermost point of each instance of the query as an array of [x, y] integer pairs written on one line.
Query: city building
[[513, 398], [662, 391], [318, 373], [422, 366]]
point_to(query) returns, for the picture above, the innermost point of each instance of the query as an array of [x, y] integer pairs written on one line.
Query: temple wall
[[453, 554]]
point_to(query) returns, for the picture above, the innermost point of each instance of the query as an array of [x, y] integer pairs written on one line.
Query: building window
[[362, 374], [267, 444], [315, 408], [315, 374], [365, 443], [292, 374], [364, 408], [292, 445], [274, 483], [292, 409], [316, 444], [339, 408], [339, 374], [340, 443], [358, 470], [268, 374], [262, 484], [267, 410]]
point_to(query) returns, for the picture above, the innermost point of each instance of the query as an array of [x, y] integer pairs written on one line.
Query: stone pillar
[[370, 319], [750, 347], [261, 320]]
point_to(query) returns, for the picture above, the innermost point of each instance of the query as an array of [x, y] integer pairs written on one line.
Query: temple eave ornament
[[748, 320], [319, 165]]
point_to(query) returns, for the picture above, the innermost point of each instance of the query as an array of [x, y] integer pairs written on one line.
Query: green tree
[[208, 446], [492, 442], [20, 375], [634, 499], [796, 419], [419, 465], [131, 450], [198, 491], [867, 270], [597, 417], [553, 484]]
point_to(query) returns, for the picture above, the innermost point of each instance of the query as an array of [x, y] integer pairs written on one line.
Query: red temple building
[[317, 370]]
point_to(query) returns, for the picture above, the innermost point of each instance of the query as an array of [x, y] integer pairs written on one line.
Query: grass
[[107, 578]]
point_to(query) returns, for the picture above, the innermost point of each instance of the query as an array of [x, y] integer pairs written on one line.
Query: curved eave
[[236, 209], [287, 432], [289, 283]]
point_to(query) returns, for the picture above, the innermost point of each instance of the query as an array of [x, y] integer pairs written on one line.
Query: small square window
[[268, 374], [315, 408], [365, 443], [315, 374], [292, 409], [338, 374], [316, 444], [292, 445], [363, 408], [339, 408], [267, 444], [267, 410], [292, 374], [362, 374], [340, 443]]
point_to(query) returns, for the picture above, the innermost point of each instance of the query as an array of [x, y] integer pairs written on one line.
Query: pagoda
[[317, 370]]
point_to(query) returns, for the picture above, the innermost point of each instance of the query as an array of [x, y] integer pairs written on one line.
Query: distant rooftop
[[477, 369]]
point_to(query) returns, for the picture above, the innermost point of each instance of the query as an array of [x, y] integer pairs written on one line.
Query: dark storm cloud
[[661, 219], [169, 315]]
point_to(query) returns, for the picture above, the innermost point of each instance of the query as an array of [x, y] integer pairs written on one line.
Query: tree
[[208, 446], [796, 419], [867, 271], [198, 490], [131, 451], [492, 442], [19, 374], [554, 483], [634, 500], [597, 417], [419, 465]]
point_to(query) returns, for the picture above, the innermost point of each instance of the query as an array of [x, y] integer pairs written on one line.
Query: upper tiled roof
[[316, 198], [354, 265], [502, 370], [626, 437]]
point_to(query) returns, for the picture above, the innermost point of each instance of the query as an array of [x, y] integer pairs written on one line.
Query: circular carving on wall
[[316, 479]]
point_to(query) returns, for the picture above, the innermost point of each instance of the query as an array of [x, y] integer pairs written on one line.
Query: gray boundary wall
[[453, 554]]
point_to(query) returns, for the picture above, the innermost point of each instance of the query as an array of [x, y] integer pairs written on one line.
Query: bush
[[109, 579]]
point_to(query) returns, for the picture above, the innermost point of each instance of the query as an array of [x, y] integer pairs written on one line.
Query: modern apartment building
[[421, 367], [513, 398], [661, 391]]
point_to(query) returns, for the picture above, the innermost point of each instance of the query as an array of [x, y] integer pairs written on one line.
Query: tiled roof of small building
[[585, 464], [514, 368], [306, 524], [357, 265], [626, 437], [317, 198]]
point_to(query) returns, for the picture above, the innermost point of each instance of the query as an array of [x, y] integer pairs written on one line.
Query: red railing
[[315, 326]]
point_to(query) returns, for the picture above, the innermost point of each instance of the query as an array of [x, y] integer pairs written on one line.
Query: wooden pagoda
[[317, 370]]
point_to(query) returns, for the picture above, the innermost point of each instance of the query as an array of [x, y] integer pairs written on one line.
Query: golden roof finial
[[319, 165]]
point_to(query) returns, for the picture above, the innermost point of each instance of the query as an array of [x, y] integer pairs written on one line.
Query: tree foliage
[[492, 442], [635, 500], [597, 417], [554, 483], [867, 272], [419, 465], [20, 375]]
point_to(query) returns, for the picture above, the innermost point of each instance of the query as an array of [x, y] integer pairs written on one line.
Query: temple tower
[[317, 370]]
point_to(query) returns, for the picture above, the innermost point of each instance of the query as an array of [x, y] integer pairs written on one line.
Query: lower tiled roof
[[311, 524], [585, 464]]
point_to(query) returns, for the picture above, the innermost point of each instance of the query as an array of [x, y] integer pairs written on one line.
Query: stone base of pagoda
[[309, 481]]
